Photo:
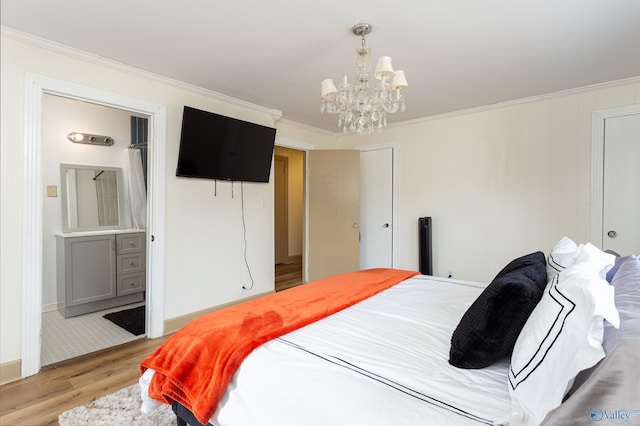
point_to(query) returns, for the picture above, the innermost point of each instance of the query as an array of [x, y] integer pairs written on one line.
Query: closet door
[[621, 195], [376, 208]]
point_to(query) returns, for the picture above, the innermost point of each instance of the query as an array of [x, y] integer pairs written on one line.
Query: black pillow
[[488, 330]]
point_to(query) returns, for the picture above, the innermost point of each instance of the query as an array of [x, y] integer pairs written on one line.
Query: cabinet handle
[[130, 243], [131, 284], [131, 264]]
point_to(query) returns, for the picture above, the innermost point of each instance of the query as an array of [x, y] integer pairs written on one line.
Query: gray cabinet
[[101, 271], [130, 263]]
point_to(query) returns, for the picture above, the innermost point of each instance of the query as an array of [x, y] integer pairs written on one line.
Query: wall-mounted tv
[[213, 146]]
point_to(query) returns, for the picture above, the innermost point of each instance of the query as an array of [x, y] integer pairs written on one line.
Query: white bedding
[[380, 362]]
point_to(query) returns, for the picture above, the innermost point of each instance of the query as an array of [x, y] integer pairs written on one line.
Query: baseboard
[[50, 307], [172, 325], [10, 371]]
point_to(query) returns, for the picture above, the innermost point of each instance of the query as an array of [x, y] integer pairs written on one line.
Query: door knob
[[612, 234], [354, 226], [386, 225]]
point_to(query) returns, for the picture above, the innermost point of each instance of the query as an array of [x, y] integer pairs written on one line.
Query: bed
[[419, 350]]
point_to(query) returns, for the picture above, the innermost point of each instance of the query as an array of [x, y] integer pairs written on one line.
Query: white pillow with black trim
[[561, 256], [562, 336], [567, 253]]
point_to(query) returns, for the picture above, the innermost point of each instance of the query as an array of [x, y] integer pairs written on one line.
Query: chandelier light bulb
[[362, 106], [76, 137]]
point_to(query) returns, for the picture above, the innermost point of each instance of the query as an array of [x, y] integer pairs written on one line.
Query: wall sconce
[[86, 138]]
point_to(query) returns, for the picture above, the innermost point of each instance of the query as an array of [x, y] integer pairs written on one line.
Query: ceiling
[[456, 54]]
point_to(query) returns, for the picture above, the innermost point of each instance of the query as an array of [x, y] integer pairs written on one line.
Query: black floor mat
[[131, 320]]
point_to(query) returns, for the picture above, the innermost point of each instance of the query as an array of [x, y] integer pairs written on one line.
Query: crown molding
[[505, 104], [102, 61], [307, 127], [275, 114]]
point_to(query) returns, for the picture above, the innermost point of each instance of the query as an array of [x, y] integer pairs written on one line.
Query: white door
[[376, 208], [621, 210], [333, 178]]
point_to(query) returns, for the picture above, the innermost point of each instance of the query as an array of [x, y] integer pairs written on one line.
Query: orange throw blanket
[[195, 365]]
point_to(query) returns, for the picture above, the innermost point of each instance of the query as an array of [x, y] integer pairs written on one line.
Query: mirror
[[91, 198]]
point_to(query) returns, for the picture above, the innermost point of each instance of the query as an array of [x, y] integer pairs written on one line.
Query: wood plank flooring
[[288, 275], [39, 399]]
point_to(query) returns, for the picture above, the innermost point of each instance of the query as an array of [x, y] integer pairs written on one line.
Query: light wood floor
[[39, 399], [288, 275]]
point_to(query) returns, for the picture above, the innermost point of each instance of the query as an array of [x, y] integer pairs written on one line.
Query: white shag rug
[[119, 408]]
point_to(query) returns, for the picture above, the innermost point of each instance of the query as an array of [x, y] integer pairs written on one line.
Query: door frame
[[598, 118], [285, 231], [32, 239], [394, 187]]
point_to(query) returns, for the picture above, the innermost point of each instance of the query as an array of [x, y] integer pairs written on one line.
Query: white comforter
[[380, 362]]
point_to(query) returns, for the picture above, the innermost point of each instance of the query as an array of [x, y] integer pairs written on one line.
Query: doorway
[[32, 272], [82, 199], [288, 216]]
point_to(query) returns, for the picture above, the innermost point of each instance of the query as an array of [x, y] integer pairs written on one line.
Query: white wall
[[498, 183], [204, 264], [61, 116]]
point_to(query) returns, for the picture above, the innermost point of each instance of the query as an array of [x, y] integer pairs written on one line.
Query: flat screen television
[[213, 146]]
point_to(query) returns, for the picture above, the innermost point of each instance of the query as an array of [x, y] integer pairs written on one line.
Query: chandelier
[[362, 106]]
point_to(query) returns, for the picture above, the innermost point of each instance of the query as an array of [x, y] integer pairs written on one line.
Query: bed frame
[[184, 417]]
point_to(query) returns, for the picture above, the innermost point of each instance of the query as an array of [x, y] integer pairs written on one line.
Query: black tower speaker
[[424, 233]]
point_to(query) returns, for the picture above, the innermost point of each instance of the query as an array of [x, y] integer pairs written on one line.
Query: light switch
[[52, 191]]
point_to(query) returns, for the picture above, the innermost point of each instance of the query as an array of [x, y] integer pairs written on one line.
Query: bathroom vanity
[[99, 270]]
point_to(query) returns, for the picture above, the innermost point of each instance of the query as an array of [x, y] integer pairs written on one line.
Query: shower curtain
[[136, 188]]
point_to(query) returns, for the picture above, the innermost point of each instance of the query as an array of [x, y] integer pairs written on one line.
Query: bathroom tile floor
[[65, 338]]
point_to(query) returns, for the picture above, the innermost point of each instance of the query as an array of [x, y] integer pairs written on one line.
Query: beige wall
[[498, 183]]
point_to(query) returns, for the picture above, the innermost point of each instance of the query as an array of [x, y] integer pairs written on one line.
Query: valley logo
[[599, 415]]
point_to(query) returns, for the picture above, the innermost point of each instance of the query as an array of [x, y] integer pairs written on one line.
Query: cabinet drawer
[[130, 263], [131, 283], [130, 243]]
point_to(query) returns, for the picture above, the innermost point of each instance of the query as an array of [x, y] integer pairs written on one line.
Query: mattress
[[382, 361]]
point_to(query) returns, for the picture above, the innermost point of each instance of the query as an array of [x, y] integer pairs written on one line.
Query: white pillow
[[562, 336], [562, 255], [566, 253]]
